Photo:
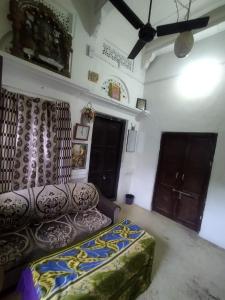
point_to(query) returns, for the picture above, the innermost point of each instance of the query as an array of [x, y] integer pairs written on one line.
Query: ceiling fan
[[147, 32]]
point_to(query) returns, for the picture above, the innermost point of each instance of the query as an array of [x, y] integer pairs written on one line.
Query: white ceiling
[[164, 11], [102, 16]]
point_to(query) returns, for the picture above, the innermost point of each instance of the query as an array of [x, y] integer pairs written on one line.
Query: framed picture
[[81, 132], [114, 91], [141, 104], [79, 155], [131, 140]]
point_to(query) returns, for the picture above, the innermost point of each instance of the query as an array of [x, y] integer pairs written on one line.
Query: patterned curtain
[[35, 142], [36, 145], [64, 142], [8, 127]]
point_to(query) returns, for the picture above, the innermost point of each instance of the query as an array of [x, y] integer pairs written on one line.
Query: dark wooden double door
[[106, 151], [183, 174]]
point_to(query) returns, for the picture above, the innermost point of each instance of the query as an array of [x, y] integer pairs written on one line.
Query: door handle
[[181, 193], [185, 194]]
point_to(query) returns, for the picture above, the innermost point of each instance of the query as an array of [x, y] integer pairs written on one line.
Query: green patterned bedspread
[[115, 264]]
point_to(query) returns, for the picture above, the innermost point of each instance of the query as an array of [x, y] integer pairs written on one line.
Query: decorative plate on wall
[[116, 89]]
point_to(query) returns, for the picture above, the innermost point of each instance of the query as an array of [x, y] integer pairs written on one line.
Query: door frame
[[122, 139], [214, 136]]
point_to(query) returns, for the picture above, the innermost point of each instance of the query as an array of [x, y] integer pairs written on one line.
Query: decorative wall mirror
[[39, 36]]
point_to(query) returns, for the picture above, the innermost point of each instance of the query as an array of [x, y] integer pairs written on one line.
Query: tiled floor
[[185, 267]]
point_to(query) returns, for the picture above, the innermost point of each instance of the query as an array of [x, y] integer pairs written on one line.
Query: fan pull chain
[[187, 8], [178, 15]]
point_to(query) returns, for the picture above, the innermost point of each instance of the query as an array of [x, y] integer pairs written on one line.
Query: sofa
[[38, 221]]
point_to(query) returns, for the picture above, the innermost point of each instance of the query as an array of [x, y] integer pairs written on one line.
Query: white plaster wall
[[32, 84], [16, 76], [114, 28], [170, 111]]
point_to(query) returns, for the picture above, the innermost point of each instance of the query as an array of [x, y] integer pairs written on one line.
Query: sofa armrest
[[109, 208]]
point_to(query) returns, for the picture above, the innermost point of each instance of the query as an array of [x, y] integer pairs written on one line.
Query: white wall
[[170, 111], [18, 77], [32, 84]]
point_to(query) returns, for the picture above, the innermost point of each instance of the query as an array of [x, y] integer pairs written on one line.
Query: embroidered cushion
[[90, 221], [84, 196], [16, 210], [51, 201], [53, 234], [14, 247]]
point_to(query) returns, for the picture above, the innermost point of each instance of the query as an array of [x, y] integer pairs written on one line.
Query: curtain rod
[[31, 94]]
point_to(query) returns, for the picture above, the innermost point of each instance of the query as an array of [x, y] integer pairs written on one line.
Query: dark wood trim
[[213, 136], [214, 141], [1, 71], [157, 172], [109, 117], [123, 122]]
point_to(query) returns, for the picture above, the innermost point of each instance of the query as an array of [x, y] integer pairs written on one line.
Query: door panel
[[111, 157], [172, 157], [106, 150], [97, 163], [184, 168], [188, 210], [197, 163], [164, 200], [172, 153]]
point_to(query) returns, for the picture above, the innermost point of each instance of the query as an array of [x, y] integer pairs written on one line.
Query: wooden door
[[186, 158], [172, 155], [106, 151]]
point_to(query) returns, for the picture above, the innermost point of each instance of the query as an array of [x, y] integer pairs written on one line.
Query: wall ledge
[[64, 83]]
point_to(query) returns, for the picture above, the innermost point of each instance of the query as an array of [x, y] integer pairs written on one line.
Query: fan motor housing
[[147, 33]]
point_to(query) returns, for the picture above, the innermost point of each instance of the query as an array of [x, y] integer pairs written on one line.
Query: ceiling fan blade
[[125, 10], [137, 48], [182, 26]]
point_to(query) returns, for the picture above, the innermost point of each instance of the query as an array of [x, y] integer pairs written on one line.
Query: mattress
[[114, 264]]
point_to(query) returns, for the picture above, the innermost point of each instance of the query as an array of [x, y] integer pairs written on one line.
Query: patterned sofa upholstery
[[36, 221]]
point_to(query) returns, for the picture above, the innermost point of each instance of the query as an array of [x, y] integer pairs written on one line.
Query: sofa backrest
[[37, 204]]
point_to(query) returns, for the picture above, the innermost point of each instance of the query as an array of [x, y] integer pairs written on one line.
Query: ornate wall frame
[[39, 36]]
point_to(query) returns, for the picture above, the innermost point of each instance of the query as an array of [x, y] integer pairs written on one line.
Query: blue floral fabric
[[75, 271]]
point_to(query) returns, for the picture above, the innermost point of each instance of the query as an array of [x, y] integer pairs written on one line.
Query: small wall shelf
[[55, 79]]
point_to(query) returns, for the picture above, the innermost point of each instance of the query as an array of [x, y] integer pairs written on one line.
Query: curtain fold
[[8, 128], [35, 142], [64, 142]]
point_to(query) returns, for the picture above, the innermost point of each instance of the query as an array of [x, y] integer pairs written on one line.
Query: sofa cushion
[[90, 221], [53, 234], [51, 201], [14, 247], [84, 196], [16, 210]]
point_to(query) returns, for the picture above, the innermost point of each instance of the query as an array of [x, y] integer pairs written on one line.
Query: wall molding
[[59, 81]]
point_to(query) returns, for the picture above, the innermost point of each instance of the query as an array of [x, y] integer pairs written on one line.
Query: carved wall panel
[[40, 36]]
